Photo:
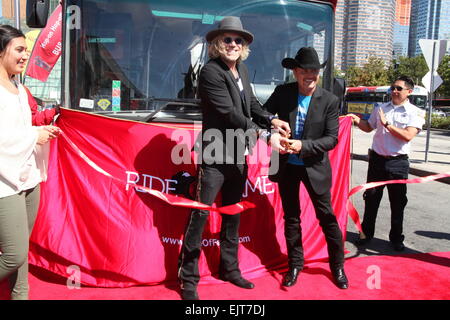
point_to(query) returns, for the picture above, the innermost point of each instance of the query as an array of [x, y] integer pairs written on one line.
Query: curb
[[414, 171]]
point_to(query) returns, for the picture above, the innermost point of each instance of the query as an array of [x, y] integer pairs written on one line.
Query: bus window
[[151, 52], [419, 101]]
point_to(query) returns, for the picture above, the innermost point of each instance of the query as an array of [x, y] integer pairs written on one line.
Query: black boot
[[291, 277], [240, 282], [189, 294], [340, 278]]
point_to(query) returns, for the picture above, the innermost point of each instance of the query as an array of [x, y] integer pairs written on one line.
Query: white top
[[402, 116], [23, 163]]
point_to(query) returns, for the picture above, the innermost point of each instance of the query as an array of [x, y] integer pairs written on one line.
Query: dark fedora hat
[[306, 58], [230, 24]]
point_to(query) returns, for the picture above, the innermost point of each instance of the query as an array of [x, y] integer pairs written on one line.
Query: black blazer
[[224, 108], [320, 132]]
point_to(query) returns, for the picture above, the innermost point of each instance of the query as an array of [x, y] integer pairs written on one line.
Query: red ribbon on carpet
[[168, 198], [353, 213]]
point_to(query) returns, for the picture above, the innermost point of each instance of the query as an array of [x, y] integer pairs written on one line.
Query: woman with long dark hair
[[22, 163]]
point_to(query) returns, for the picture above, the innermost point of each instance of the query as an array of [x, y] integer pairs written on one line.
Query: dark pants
[[230, 179], [380, 169], [289, 187]]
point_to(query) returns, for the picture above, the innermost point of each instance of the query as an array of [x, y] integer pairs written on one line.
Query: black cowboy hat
[[306, 58], [230, 24]]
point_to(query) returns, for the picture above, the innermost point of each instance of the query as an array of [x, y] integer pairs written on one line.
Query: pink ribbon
[[353, 213]]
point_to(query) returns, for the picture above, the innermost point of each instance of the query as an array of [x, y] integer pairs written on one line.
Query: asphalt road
[[426, 223]]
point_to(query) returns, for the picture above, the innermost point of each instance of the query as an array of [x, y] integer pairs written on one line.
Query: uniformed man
[[396, 123]]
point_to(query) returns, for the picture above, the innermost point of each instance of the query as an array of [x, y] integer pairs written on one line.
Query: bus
[[151, 51], [443, 105], [361, 100]]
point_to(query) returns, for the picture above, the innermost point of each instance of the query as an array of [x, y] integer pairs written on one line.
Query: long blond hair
[[216, 47]]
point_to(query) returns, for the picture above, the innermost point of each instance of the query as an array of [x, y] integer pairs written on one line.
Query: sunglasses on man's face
[[229, 40], [398, 88]]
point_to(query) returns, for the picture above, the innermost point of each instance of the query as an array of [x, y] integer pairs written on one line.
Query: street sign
[[433, 51], [427, 83], [427, 49]]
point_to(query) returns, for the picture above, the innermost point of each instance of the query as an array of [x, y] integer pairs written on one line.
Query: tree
[[444, 73], [338, 73], [414, 67], [376, 72], [352, 76], [373, 73]]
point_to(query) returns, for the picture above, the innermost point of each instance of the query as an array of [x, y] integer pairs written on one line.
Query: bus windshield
[[146, 55]]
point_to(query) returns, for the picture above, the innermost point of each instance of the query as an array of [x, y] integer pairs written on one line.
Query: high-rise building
[[401, 27], [430, 19], [339, 33], [368, 27]]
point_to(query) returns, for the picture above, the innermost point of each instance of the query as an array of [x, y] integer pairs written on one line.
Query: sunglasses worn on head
[[398, 88], [229, 40]]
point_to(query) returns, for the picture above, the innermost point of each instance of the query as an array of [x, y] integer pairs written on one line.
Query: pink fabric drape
[[119, 237]]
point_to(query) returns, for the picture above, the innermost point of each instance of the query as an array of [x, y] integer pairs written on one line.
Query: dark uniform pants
[[380, 169], [230, 179]]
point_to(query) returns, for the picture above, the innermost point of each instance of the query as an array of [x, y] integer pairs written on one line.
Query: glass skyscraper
[[430, 19], [367, 30], [401, 27]]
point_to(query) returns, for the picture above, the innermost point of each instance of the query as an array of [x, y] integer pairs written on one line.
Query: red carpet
[[424, 276]]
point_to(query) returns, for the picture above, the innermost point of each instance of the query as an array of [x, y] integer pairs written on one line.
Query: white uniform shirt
[[22, 162], [402, 116]]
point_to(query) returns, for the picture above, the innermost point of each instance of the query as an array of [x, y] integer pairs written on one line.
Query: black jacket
[[223, 108], [320, 132]]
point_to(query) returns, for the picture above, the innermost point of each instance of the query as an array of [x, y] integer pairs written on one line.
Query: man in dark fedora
[[227, 103], [312, 113]]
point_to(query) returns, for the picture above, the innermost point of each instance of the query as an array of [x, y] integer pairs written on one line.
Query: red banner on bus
[[47, 48], [94, 216]]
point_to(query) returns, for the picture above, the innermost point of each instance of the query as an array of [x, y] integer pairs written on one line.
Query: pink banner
[[47, 48], [117, 235]]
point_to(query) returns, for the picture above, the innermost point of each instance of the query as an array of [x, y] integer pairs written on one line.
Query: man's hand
[[293, 146], [355, 119], [278, 143], [382, 117], [282, 127], [360, 123]]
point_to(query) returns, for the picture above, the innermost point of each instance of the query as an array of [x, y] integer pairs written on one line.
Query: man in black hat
[[313, 113], [228, 104]]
